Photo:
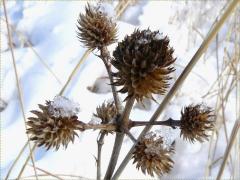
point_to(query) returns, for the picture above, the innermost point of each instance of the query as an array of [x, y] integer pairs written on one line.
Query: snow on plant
[[143, 64]]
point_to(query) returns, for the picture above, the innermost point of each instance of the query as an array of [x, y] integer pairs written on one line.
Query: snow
[[51, 28], [63, 107]]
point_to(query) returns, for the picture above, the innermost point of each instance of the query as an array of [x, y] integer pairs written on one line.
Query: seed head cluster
[[196, 121], [143, 61], [95, 29], [152, 157], [52, 131]]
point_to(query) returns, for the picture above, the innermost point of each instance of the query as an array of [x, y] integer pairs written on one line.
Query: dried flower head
[[95, 29], [107, 112], [54, 124], [143, 61], [152, 157], [196, 120]]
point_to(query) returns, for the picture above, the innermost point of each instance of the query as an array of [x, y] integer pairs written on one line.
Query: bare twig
[[119, 138], [105, 56], [229, 147], [100, 142], [17, 79], [48, 173], [170, 122], [213, 31], [25, 164]]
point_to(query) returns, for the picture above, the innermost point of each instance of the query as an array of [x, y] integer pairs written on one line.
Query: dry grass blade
[[84, 57], [48, 173], [24, 38], [25, 164], [17, 80], [65, 176], [229, 147], [16, 160], [212, 33]]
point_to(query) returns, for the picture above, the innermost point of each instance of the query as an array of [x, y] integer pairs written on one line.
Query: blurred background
[[49, 59]]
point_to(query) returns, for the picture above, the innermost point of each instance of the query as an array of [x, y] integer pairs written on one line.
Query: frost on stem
[[152, 157], [55, 123]]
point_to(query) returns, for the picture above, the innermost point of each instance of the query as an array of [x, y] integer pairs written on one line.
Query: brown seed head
[[95, 29], [196, 120], [143, 61], [107, 112], [152, 157], [49, 130]]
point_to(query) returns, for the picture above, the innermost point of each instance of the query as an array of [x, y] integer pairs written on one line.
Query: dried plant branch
[[229, 147], [17, 80], [48, 173], [119, 138], [85, 55], [26, 162], [105, 56], [213, 31], [100, 143], [170, 122]]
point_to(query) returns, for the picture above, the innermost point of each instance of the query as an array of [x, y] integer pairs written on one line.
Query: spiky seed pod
[[95, 29], [107, 112], [52, 130], [143, 61], [196, 120], [152, 157]]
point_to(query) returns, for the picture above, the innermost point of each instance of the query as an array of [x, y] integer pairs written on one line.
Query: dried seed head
[[152, 157], [95, 28], [143, 61], [196, 120], [107, 112], [52, 125]]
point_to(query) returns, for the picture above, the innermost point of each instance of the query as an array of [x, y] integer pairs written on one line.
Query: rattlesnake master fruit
[[107, 113], [143, 61], [152, 157], [195, 122], [55, 123], [95, 29]]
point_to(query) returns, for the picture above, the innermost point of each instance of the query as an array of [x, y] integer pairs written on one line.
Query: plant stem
[[212, 33], [75, 70], [119, 138], [100, 142], [229, 147], [170, 122], [106, 58]]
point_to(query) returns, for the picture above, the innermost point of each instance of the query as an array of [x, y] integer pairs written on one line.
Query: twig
[[17, 79], [25, 164], [130, 135], [213, 31], [229, 147], [170, 122], [119, 138], [105, 56], [100, 142], [85, 55], [48, 173]]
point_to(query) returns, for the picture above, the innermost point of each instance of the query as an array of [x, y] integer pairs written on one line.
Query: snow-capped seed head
[[95, 29], [143, 61], [107, 112], [151, 156], [50, 129], [196, 121]]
